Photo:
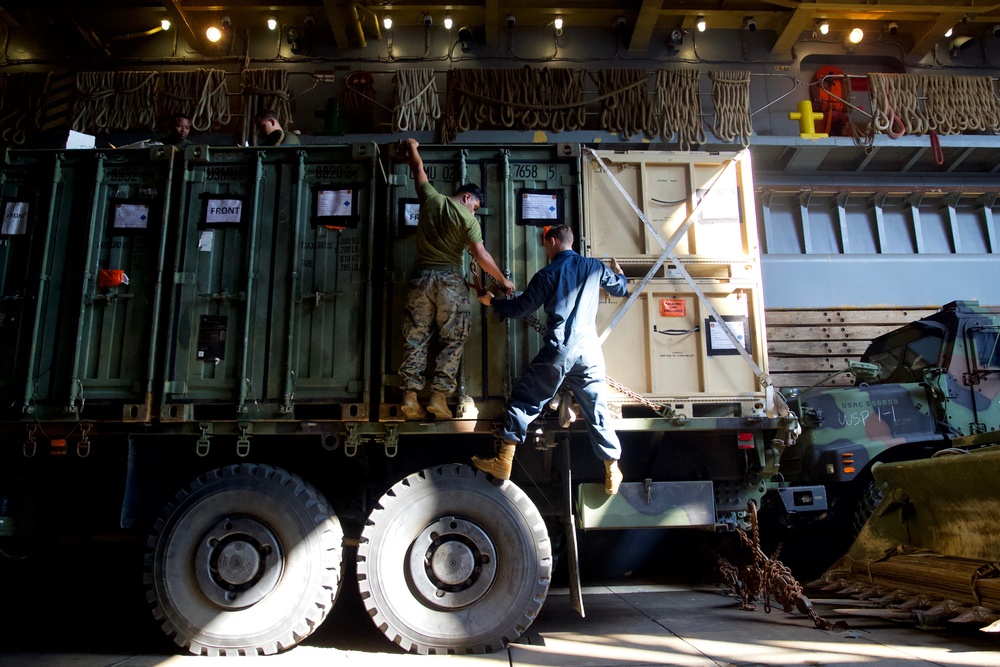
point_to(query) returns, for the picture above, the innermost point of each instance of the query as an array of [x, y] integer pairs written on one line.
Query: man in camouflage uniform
[[439, 296]]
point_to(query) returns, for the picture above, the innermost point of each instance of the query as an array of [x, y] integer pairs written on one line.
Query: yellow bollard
[[807, 121]]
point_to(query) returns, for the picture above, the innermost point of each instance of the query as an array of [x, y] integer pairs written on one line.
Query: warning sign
[[673, 308]]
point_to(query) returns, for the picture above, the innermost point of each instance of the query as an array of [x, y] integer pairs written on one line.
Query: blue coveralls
[[569, 290]]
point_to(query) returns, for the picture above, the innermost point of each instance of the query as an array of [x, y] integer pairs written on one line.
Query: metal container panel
[[667, 186], [667, 349], [118, 323], [525, 188]]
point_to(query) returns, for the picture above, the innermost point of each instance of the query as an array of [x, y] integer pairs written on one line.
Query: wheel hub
[[452, 563], [238, 562]]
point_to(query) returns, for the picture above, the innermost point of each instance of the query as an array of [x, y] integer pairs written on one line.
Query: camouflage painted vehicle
[[930, 385]]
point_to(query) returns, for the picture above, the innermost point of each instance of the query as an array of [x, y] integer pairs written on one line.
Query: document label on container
[[224, 211], [334, 203], [15, 218]]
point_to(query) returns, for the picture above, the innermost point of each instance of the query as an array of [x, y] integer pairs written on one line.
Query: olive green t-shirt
[[444, 229]]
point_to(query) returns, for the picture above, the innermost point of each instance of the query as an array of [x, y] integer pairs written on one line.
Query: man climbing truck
[[932, 384], [233, 411]]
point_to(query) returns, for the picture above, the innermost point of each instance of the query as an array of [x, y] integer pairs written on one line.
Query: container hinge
[[391, 443], [205, 441], [83, 445], [243, 442], [184, 278], [30, 447], [352, 441]]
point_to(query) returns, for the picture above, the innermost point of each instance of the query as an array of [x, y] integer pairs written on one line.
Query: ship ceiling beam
[[335, 16], [649, 14], [800, 20], [930, 34], [180, 20]]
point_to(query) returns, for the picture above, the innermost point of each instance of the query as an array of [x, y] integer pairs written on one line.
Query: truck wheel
[[870, 498], [451, 562], [245, 561]]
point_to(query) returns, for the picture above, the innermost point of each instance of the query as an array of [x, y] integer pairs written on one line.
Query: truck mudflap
[[930, 552]]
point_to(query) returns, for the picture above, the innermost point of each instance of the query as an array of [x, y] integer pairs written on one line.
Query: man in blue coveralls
[[569, 290]]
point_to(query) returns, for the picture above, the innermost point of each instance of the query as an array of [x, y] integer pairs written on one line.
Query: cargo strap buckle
[[352, 441], [83, 446], [391, 443], [204, 442], [30, 447], [243, 442]]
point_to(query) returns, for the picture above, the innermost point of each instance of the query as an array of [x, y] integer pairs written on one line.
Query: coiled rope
[[731, 98], [264, 90], [957, 104], [114, 101], [202, 95], [415, 100], [678, 105], [625, 105], [22, 101], [525, 99], [359, 95], [895, 104]]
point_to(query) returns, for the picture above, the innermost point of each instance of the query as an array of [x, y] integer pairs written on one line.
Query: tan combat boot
[[612, 478], [498, 466], [438, 406], [411, 406]]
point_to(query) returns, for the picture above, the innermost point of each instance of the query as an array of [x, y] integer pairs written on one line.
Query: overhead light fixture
[[164, 24], [558, 23], [701, 24], [272, 24], [226, 23], [951, 31], [387, 22], [448, 23], [749, 24], [428, 20], [213, 34], [823, 26], [855, 36], [892, 27]]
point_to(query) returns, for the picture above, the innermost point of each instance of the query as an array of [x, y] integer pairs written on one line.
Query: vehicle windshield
[[904, 354], [987, 351]]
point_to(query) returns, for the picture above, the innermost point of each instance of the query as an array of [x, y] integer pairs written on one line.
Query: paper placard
[[334, 203], [131, 216], [206, 240], [721, 205], [718, 340], [411, 214], [538, 206], [224, 211], [15, 217]]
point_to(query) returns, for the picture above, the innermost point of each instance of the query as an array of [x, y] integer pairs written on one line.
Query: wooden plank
[[892, 316], [834, 332], [817, 348], [808, 364], [804, 380]]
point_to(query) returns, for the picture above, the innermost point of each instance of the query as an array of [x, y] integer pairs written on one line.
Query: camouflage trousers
[[438, 299]]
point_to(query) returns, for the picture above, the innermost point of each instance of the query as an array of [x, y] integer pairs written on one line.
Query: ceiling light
[[226, 22], [213, 34], [558, 23], [892, 27], [164, 24], [749, 24], [428, 21], [448, 23], [855, 36], [950, 32], [701, 24], [823, 26], [272, 24], [387, 22]]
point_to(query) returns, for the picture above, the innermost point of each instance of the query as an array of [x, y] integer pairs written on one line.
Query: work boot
[[498, 466], [612, 478], [411, 406], [438, 406]]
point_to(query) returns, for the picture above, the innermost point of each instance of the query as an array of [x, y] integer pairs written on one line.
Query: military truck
[[930, 385], [201, 354]]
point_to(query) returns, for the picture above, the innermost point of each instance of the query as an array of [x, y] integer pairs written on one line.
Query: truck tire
[[245, 561], [451, 561]]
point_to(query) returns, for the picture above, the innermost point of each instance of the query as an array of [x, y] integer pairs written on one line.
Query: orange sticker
[[673, 307]]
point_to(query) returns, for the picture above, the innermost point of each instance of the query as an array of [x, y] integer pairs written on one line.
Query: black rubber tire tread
[[524, 556], [870, 498], [310, 582]]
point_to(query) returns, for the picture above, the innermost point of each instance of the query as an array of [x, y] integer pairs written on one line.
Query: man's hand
[[486, 299], [508, 286], [616, 267]]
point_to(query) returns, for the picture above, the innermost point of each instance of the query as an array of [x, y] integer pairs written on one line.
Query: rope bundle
[[359, 95], [895, 104], [731, 97], [114, 101], [264, 90], [22, 99], [625, 105], [525, 98], [201, 95], [959, 103], [678, 104], [415, 100]]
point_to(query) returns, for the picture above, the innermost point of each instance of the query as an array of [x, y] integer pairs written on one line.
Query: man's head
[[180, 125], [556, 239], [266, 122], [470, 196]]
